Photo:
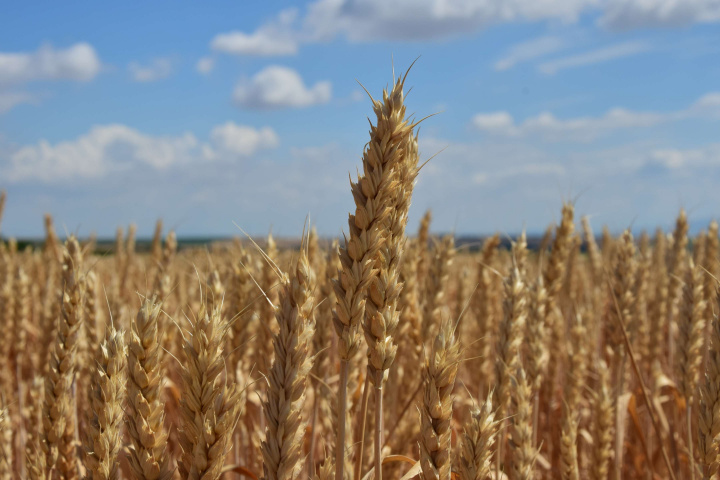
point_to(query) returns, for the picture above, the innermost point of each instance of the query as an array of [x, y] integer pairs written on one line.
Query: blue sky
[[209, 114]]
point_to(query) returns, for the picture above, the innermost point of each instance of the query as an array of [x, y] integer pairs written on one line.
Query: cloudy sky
[[210, 114]]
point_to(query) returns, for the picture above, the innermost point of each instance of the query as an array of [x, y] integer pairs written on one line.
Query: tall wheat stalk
[[373, 194]]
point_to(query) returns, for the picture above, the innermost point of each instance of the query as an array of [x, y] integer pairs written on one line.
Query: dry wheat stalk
[[423, 238], [436, 309], [711, 264], [105, 439], [691, 327], [478, 438], [381, 313], [603, 428], [536, 333], [156, 247], [709, 417], [373, 195], [6, 455], [36, 459], [677, 266], [59, 407], [145, 412], [483, 306], [523, 451], [553, 281], [594, 255], [208, 404], [293, 360], [510, 335], [568, 445], [214, 291], [658, 314], [436, 411], [162, 285], [51, 246], [623, 293]]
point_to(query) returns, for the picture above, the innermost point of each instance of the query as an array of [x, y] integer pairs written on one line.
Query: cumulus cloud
[[8, 100], [593, 57], [272, 39], [279, 87], [674, 160], [158, 69], [530, 50], [205, 65], [625, 15], [548, 126], [373, 20], [78, 62], [365, 21], [111, 148], [243, 140]]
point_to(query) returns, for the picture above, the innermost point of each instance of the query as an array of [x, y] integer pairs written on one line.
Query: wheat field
[[387, 353]]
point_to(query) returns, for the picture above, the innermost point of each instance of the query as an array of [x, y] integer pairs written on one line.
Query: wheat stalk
[[436, 411], [145, 414], [293, 361], [209, 405], [59, 406], [373, 195], [105, 439], [477, 442]]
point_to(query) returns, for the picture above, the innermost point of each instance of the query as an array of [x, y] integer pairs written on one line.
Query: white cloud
[[205, 65], [279, 87], [707, 105], [158, 69], [242, 140], [111, 148], [625, 15], [593, 57], [272, 39], [549, 127], [366, 21], [533, 170], [8, 100], [530, 50], [674, 160], [373, 20], [78, 62]]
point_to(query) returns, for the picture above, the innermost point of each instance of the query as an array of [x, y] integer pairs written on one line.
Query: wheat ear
[[381, 312], [6, 434], [59, 405], [423, 236], [105, 439], [436, 411], [524, 452], [568, 445], [436, 287], [146, 413], [511, 335], [293, 361], [478, 438], [691, 326], [209, 405], [603, 426], [709, 418], [373, 195]]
